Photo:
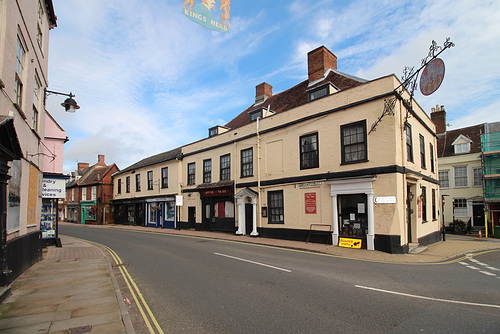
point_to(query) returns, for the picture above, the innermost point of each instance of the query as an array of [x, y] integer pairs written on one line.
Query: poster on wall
[[310, 203]]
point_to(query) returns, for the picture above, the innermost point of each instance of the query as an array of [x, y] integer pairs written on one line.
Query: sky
[[149, 80]]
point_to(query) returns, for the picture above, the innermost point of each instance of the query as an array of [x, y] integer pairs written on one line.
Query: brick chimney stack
[[319, 61], [100, 160], [263, 92], [82, 165], [438, 117]]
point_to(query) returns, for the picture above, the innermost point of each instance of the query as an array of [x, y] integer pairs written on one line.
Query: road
[[195, 285]]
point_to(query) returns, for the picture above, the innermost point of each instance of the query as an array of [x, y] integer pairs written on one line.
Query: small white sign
[[179, 199], [385, 200]]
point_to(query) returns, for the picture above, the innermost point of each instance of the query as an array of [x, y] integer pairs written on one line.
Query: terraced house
[[317, 158]]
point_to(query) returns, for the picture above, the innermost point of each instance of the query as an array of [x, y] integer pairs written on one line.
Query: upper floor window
[[207, 171], [431, 153], [164, 177], [20, 57], [39, 26], [409, 143], [150, 180], [444, 179], [37, 92], [94, 193], [422, 152], [84, 194], [460, 176], [213, 132], [119, 186], [34, 121], [73, 194], [477, 173], [127, 184], [247, 162], [191, 173], [461, 145], [255, 114], [225, 167], [137, 182], [309, 151], [317, 93], [354, 145]]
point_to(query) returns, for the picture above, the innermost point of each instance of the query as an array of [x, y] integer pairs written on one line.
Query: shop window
[[460, 176], [191, 173], [354, 145], [353, 217], [247, 162], [137, 182], [130, 214], [207, 171], [422, 152], [89, 212], [164, 177], [153, 208], [276, 208], [409, 143], [170, 211], [150, 180], [309, 151], [444, 179], [224, 209], [225, 167], [14, 196]]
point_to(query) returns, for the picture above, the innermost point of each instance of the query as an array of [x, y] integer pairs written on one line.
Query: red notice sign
[[310, 201]]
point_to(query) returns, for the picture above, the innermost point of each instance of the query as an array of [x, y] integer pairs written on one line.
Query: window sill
[[245, 176], [353, 162]]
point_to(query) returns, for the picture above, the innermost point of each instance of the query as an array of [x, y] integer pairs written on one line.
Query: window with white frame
[[150, 180], [460, 176], [461, 148], [84, 194], [20, 58], [39, 26], [191, 173], [207, 171], [477, 179], [94, 193], [164, 177], [225, 167], [460, 207], [444, 179]]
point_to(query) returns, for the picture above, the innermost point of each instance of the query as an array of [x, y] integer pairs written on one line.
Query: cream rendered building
[[306, 159]]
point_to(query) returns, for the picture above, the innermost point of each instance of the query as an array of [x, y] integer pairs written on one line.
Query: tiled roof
[[155, 159], [94, 175], [295, 96], [445, 140]]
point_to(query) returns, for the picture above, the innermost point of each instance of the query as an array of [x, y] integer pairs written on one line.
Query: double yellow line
[[134, 290]]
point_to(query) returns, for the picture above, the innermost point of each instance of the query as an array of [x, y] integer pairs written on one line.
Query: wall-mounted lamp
[[69, 104]]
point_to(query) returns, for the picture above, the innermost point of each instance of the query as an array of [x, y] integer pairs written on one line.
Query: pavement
[[74, 290]]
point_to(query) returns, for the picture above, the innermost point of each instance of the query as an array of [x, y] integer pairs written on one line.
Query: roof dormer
[[461, 145]]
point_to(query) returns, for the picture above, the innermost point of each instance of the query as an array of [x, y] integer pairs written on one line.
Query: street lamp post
[[69, 104]]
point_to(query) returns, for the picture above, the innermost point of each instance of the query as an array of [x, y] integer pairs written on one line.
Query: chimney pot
[[438, 117], [319, 61]]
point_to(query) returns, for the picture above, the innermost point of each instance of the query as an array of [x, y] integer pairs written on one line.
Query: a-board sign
[[350, 243]]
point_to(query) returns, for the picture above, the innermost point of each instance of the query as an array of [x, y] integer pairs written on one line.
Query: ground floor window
[[460, 207], [276, 207], [170, 211], [353, 219], [224, 209], [130, 214], [72, 213]]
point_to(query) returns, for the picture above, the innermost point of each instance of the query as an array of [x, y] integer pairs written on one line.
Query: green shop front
[[89, 212]]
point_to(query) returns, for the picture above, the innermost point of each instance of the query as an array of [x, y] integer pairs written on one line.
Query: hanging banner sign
[[432, 77], [203, 14]]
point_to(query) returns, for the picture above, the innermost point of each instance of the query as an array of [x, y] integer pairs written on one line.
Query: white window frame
[[477, 176], [84, 194], [94, 193], [442, 172], [455, 168]]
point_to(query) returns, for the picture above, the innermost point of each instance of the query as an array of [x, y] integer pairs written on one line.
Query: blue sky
[[149, 80]]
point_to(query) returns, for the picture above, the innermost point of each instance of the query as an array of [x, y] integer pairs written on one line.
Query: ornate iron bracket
[[409, 82]]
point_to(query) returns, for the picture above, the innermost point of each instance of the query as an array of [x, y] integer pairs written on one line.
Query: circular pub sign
[[432, 77]]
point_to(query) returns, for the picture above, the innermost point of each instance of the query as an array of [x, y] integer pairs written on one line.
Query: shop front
[[353, 212], [218, 209], [129, 212], [89, 212], [161, 212]]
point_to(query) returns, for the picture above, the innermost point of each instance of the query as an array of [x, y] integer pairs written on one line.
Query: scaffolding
[[490, 159]]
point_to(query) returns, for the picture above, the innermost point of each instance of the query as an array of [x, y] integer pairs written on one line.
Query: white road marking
[[487, 273], [492, 268], [253, 262], [428, 298], [472, 267]]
